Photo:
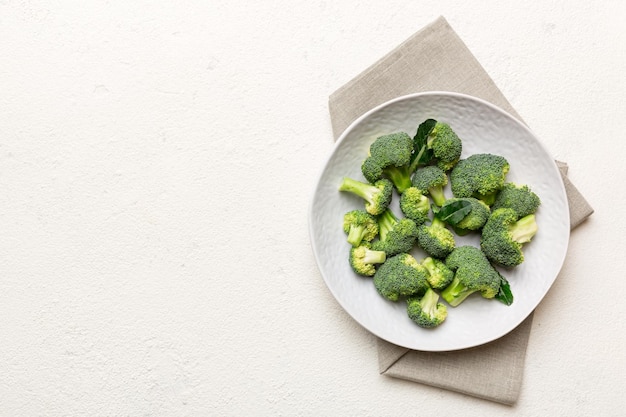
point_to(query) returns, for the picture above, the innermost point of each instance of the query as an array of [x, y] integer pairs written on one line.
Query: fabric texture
[[436, 59]]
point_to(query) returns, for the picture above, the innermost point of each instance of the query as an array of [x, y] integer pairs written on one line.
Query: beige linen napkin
[[435, 58]]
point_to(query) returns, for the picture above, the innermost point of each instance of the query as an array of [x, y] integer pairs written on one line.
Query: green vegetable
[[445, 144], [359, 226], [432, 180], [377, 196], [415, 205], [389, 157], [439, 275], [480, 176], [427, 311], [395, 235], [504, 234], [400, 276], [422, 155], [464, 214], [436, 239], [518, 197], [363, 259], [472, 273]]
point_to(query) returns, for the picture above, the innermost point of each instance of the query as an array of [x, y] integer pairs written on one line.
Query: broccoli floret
[[504, 234], [415, 205], [427, 311], [439, 275], [472, 273], [431, 179], [474, 220], [389, 157], [400, 276], [518, 197], [446, 146], [480, 175], [436, 239], [395, 235], [363, 259], [359, 225], [377, 196]]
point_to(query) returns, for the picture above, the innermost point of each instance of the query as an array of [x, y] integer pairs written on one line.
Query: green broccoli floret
[[439, 275], [480, 175], [363, 259], [359, 225], [395, 235], [504, 234], [389, 157], [427, 311], [517, 197], [446, 146], [435, 239], [472, 273], [415, 205], [377, 196], [431, 179], [400, 276], [474, 220]]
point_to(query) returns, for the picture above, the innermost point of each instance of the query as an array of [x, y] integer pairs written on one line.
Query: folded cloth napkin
[[436, 59]]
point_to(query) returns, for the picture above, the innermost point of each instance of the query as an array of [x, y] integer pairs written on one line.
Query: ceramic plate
[[483, 128]]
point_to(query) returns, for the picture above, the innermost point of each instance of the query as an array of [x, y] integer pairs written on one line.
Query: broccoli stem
[[456, 293], [524, 229], [362, 189], [355, 235], [436, 193], [386, 222], [429, 302], [400, 177], [374, 256]]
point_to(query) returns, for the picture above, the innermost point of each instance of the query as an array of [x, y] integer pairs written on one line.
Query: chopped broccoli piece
[[517, 197], [427, 311], [359, 226], [474, 220], [377, 196], [439, 275], [504, 234], [472, 273], [389, 157], [395, 235], [480, 175], [363, 259], [400, 276], [436, 239], [446, 146], [431, 179], [415, 205]]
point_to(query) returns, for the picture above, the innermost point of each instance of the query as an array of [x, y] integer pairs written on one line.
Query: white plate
[[483, 128]]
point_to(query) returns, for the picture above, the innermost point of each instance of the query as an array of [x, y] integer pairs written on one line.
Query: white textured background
[[156, 164]]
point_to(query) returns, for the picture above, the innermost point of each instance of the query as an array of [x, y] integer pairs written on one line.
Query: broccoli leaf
[[504, 294], [421, 154], [452, 213]]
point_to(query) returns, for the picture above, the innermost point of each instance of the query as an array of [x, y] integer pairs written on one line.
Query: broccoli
[[427, 311], [474, 220], [517, 197], [472, 273], [400, 276], [431, 179], [395, 235], [389, 157], [377, 196], [445, 144], [439, 275], [504, 234], [415, 205], [363, 259], [436, 239], [480, 175], [359, 225]]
